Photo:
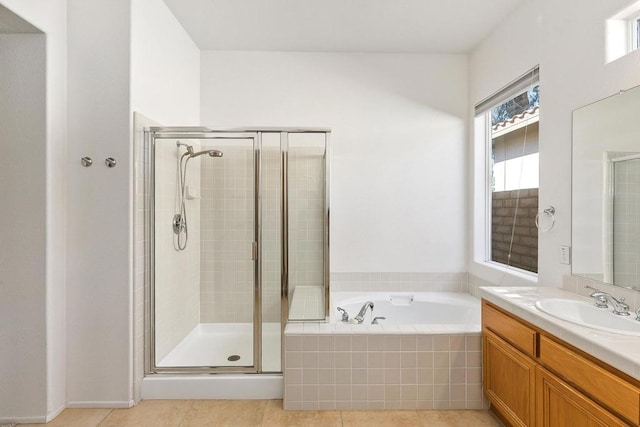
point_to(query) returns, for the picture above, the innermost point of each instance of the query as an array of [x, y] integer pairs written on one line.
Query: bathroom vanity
[[543, 371]]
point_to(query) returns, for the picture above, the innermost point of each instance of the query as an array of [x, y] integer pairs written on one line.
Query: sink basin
[[586, 314]]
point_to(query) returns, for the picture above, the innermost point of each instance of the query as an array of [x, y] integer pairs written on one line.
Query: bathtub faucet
[[375, 319], [345, 315], [360, 317]]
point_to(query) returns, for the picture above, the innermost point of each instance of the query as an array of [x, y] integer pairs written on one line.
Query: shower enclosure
[[237, 230], [625, 230]]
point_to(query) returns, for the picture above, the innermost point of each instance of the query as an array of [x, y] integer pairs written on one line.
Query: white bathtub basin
[[410, 308], [586, 314]]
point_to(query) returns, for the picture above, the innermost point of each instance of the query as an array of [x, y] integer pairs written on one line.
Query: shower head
[[211, 153]]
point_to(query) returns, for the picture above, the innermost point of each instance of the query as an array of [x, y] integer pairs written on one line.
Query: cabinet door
[[560, 405], [509, 380]]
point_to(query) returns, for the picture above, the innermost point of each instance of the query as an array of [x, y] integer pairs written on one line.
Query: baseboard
[[23, 420], [32, 420], [116, 404], [51, 415]]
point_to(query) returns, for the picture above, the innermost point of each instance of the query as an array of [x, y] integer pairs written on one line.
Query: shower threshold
[[212, 343]]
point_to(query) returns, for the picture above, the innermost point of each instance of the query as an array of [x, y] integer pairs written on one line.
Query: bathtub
[[426, 354], [410, 308]]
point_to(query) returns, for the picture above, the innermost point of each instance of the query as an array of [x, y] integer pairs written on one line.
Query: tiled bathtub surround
[[382, 371], [379, 281], [475, 282]]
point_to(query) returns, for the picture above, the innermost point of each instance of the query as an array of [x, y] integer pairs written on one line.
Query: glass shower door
[[205, 254], [626, 228]]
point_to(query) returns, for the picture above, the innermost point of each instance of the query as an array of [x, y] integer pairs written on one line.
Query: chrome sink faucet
[[619, 306], [601, 301], [360, 317]]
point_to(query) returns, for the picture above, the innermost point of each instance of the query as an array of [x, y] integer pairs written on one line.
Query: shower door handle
[[254, 251]]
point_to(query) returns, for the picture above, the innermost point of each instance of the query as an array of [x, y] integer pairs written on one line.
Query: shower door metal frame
[[186, 133], [611, 190], [284, 182], [153, 133]]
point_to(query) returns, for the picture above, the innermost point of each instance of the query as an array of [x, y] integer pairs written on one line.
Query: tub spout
[[360, 317]]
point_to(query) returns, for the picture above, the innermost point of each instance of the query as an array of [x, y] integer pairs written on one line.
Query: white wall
[[99, 257], [50, 17], [165, 87], [567, 40], [165, 66], [398, 171], [145, 63], [23, 369]]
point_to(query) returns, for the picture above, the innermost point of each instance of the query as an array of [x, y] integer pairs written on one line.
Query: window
[[510, 144], [622, 32], [634, 25]]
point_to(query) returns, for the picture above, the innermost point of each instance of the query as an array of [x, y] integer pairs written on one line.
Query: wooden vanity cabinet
[[533, 379], [560, 405], [509, 380]]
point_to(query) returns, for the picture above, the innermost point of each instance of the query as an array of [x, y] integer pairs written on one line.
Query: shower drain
[[233, 358]]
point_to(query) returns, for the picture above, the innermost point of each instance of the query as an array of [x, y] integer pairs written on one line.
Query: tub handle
[[345, 315], [375, 320]]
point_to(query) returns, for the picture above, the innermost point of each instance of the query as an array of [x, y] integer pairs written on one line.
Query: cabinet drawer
[[600, 384], [509, 329]]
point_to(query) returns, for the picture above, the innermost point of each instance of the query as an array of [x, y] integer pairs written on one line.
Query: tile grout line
[[193, 402], [103, 418]]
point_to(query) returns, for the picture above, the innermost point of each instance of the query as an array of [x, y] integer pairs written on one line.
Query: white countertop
[[619, 351]]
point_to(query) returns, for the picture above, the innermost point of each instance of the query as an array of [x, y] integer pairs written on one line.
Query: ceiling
[[394, 26]]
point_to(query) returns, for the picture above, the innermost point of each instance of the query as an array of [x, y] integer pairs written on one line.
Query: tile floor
[[241, 413]]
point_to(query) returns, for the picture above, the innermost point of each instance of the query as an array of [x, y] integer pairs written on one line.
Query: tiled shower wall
[[226, 288], [306, 212], [626, 235], [271, 228], [177, 273], [227, 232], [227, 215]]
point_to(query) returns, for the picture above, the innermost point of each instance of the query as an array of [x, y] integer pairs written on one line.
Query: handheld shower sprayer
[[179, 222], [211, 153]]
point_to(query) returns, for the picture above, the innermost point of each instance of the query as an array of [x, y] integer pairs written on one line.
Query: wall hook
[[86, 161], [110, 162]]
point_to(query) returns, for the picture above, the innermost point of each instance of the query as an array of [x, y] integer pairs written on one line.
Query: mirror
[[606, 190]]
